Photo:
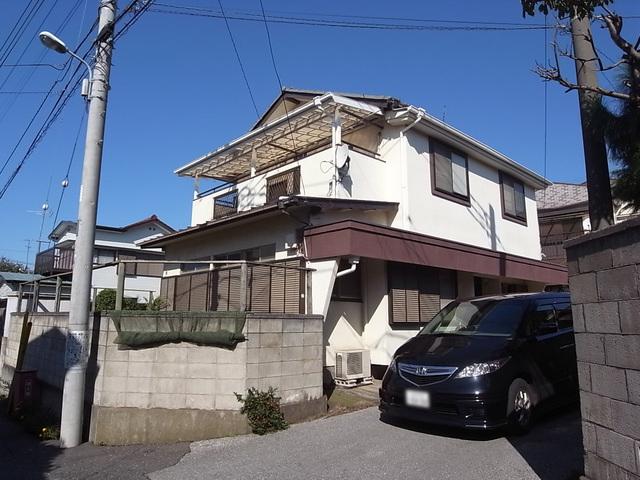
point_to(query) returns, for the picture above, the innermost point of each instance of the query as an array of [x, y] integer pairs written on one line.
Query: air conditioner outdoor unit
[[353, 367]]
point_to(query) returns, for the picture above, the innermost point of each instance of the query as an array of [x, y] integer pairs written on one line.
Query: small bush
[[263, 411], [106, 300]]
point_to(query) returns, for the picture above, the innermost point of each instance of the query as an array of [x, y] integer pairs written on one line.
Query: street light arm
[[79, 58]]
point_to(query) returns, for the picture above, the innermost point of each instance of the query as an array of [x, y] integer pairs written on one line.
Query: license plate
[[417, 398]]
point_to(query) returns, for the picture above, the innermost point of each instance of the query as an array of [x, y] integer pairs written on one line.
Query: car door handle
[[568, 345]]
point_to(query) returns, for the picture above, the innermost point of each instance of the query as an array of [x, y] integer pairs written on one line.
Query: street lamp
[[52, 42]]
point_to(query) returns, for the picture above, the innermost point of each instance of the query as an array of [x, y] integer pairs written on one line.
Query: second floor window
[[283, 184], [513, 199], [449, 172]]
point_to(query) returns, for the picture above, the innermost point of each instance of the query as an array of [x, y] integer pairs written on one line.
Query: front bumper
[[483, 412]]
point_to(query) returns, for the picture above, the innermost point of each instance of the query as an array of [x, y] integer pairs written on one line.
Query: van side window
[[564, 316], [543, 320]]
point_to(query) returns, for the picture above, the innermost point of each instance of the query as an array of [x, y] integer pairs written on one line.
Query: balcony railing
[[225, 205], [54, 260], [283, 184]]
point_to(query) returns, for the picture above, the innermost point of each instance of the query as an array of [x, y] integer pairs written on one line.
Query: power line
[[235, 49], [201, 12], [65, 181], [30, 16], [275, 69]]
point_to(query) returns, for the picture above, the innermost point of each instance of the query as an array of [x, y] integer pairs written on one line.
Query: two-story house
[[111, 244], [396, 212]]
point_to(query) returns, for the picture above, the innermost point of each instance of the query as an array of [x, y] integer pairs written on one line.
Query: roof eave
[[485, 152]]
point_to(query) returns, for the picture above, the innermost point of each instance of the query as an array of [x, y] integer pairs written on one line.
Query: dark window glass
[[478, 317], [543, 320], [513, 199], [564, 315]]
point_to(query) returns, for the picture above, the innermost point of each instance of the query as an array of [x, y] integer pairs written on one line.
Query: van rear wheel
[[520, 406]]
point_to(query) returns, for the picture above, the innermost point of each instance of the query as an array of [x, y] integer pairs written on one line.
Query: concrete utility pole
[[76, 354], [595, 151]]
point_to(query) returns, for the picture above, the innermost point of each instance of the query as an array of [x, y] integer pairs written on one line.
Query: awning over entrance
[[362, 239]]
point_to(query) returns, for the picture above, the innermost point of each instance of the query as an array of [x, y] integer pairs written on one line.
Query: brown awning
[[351, 237]]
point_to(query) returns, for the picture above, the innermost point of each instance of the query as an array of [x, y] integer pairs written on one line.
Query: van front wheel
[[520, 406]]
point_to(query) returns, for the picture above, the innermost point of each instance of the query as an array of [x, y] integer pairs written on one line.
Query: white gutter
[[316, 103], [478, 149]]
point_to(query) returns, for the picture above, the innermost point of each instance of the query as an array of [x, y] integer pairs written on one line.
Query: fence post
[[20, 293], [56, 307], [36, 296], [150, 300], [308, 293], [244, 273], [120, 286]]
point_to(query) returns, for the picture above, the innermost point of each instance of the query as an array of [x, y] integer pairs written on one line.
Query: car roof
[[524, 296]]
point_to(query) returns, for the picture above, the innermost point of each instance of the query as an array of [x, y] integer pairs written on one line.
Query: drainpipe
[[420, 113], [336, 139], [354, 261]]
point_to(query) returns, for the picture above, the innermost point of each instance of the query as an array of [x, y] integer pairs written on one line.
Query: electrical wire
[[235, 49], [71, 157], [62, 100], [275, 69], [202, 12], [25, 24]]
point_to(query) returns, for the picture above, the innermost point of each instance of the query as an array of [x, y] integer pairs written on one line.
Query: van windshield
[[478, 317]]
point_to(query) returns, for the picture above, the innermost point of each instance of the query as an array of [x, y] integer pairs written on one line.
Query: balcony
[[53, 261]]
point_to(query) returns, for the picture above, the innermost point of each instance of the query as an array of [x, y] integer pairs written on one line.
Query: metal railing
[[225, 205], [284, 184]]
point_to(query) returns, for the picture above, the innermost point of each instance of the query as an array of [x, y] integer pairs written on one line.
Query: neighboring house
[[563, 213], [397, 212], [111, 244]]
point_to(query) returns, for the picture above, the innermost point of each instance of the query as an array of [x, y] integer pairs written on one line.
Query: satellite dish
[[342, 155]]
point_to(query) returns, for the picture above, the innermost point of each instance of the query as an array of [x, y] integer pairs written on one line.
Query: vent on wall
[[353, 367]]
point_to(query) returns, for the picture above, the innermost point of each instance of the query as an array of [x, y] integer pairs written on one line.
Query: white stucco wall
[[366, 180], [482, 223]]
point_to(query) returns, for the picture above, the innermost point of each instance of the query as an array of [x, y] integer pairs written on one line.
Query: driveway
[[359, 445]]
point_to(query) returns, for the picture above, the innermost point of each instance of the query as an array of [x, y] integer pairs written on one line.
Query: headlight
[[477, 369], [392, 366]]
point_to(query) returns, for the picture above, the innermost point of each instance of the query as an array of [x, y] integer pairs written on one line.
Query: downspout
[[404, 179], [336, 139], [354, 261]]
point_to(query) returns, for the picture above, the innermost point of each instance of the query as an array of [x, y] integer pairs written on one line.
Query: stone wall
[[180, 392], [604, 278]]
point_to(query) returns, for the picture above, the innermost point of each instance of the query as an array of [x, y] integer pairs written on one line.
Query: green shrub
[[106, 300], [263, 411]]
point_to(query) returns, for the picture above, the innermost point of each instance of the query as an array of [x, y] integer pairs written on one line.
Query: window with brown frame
[[449, 172], [415, 292], [513, 198], [283, 184]]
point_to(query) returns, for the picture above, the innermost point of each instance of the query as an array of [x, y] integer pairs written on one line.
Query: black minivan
[[485, 363]]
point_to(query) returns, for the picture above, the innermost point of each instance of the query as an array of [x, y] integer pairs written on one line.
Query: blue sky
[[177, 92]]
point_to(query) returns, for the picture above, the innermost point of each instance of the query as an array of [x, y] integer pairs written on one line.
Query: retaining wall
[[181, 392], [604, 278]]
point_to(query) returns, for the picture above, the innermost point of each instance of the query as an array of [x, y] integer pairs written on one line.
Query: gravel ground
[[359, 445]]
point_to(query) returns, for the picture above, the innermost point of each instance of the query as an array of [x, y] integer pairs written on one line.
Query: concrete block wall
[[285, 352], [604, 278], [45, 351]]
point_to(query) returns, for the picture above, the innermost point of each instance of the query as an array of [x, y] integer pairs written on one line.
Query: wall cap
[[605, 232]]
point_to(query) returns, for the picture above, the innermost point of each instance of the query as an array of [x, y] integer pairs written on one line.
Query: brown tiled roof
[[561, 195]]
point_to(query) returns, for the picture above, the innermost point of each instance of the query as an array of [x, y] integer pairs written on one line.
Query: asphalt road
[[359, 445]]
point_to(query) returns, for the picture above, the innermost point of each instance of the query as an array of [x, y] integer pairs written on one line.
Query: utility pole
[[595, 151], [76, 354]]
